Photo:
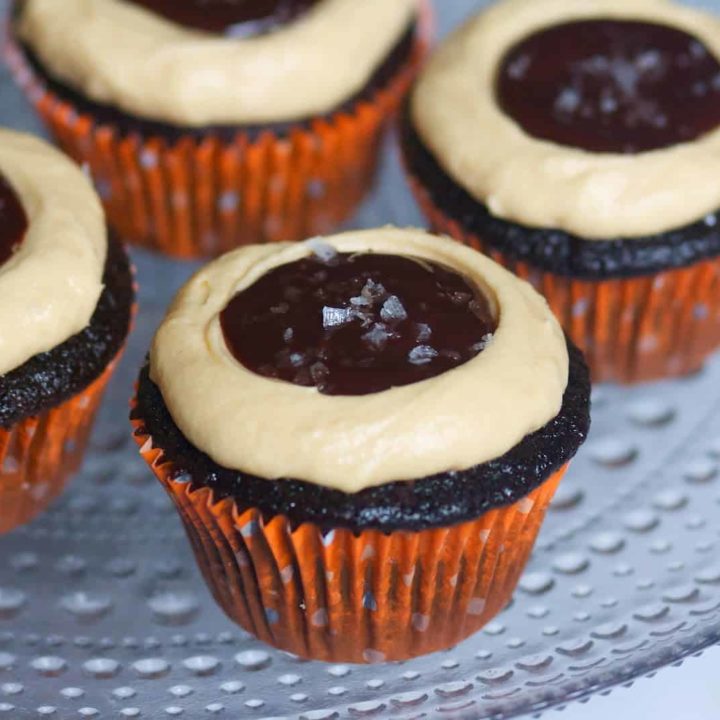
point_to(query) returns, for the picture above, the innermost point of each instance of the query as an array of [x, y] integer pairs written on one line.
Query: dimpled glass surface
[[103, 613]]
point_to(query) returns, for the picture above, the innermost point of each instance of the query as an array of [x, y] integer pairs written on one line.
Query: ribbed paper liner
[[38, 455], [345, 597], [631, 329], [202, 197]]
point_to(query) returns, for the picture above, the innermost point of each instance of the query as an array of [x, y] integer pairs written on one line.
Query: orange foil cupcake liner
[[201, 197], [39, 454], [631, 330], [365, 597]]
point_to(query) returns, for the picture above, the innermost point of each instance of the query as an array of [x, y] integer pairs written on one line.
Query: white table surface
[[688, 692]]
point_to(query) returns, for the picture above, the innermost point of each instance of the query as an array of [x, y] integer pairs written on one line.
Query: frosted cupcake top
[[595, 118], [53, 245], [366, 358], [281, 61]]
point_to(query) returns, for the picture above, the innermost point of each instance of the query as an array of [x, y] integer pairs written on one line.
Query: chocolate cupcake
[[66, 296], [577, 144], [209, 124], [361, 435]]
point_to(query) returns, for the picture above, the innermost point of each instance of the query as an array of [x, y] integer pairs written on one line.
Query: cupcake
[[210, 124], [578, 145], [362, 435], [66, 295]]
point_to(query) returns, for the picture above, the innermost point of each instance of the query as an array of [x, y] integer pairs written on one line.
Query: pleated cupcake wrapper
[[40, 454], [202, 197], [631, 330], [344, 597]]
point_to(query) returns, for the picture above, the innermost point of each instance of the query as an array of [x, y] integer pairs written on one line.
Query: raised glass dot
[[289, 679], [87, 606], [607, 543], [232, 687], [454, 689], [151, 667], [202, 665], [11, 602], [570, 563], [641, 520], [370, 707], [339, 670], [11, 688], [124, 693], [701, 470], [651, 413], [612, 452], [174, 608], [49, 665], [253, 659], [567, 498], [102, 667], [536, 583]]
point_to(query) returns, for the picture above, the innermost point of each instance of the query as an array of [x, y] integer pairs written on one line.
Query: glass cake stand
[[103, 613]]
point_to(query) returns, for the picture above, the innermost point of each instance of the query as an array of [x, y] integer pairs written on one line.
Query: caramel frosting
[[50, 285], [540, 183], [122, 54], [275, 429]]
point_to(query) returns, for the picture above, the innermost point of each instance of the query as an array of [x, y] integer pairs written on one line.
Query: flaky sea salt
[[318, 372], [479, 347], [422, 355], [373, 291], [297, 359], [478, 309], [393, 310], [568, 101], [334, 317], [321, 250], [377, 336], [460, 298], [288, 335], [451, 355], [424, 332]]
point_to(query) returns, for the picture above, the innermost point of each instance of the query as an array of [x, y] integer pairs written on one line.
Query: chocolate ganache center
[[13, 221], [237, 18], [613, 86], [357, 324]]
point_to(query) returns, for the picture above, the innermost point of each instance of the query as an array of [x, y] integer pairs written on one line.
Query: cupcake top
[[209, 62], [53, 245], [362, 359], [593, 118]]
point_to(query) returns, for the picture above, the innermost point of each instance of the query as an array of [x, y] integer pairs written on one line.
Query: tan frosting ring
[[50, 286], [542, 184], [273, 429], [122, 54]]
